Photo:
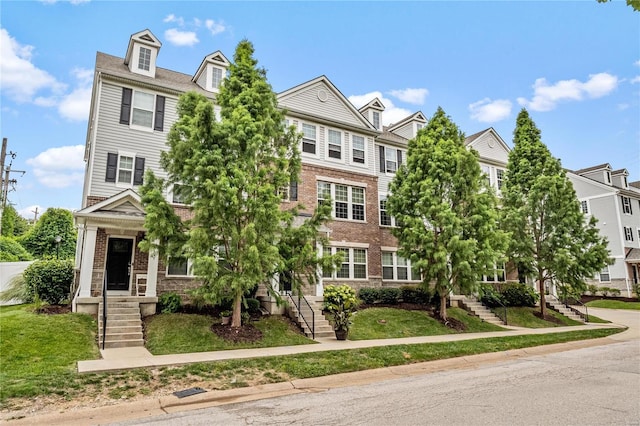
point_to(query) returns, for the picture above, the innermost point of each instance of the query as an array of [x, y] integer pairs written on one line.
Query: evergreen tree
[[13, 225], [231, 172], [446, 214], [549, 234]]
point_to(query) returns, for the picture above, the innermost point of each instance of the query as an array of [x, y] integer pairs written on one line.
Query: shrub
[[592, 289], [369, 295], [252, 305], [615, 291], [415, 294], [605, 291], [50, 279], [490, 296], [519, 295], [169, 303], [390, 295], [341, 302], [12, 251]]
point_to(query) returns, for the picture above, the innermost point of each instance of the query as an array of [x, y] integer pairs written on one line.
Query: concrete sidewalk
[[129, 358]]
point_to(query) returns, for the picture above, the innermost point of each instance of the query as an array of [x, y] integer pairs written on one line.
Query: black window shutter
[[159, 113], [125, 106], [293, 191], [138, 172], [383, 167], [112, 165], [399, 158]]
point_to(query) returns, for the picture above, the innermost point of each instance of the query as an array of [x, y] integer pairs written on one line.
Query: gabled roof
[[143, 37], [375, 103], [387, 136], [216, 58], [602, 166], [469, 141], [417, 116], [620, 172], [291, 93], [127, 202], [635, 184]]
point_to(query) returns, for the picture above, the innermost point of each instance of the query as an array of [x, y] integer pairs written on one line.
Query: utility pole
[[4, 187], [35, 214]]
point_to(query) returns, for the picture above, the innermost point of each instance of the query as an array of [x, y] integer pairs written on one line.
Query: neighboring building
[[608, 196], [346, 154]]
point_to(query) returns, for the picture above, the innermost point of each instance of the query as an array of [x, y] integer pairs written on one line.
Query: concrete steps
[[322, 326], [558, 306], [124, 324], [478, 309]]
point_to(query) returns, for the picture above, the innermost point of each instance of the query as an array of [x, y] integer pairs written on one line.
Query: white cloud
[[20, 78], [637, 63], [59, 167], [174, 18], [391, 114], [547, 96], [181, 38], [215, 27], [635, 79], [410, 96], [75, 105], [488, 111]]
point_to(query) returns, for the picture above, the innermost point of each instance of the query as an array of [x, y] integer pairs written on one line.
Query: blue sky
[[574, 65]]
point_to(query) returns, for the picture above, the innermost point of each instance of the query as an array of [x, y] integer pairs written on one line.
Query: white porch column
[[152, 273], [79, 245], [319, 283], [86, 266]]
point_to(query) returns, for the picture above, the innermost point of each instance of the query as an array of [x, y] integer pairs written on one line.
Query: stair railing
[[584, 315], [104, 309], [301, 298], [504, 309]]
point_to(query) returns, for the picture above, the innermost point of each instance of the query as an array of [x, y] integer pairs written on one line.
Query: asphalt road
[[589, 386]]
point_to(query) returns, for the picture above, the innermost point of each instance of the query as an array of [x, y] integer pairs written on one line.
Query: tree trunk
[[543, 303], [443, 307], [236, 319]]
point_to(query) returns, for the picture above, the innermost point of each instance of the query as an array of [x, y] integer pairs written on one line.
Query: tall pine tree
[[230, 173], [549, 234], [447, 216]]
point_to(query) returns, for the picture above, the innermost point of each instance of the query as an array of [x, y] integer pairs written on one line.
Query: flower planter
[[341, 334]]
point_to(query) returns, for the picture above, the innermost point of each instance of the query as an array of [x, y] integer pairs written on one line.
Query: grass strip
[[614, 304]]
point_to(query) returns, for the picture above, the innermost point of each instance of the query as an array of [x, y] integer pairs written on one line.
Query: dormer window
[[376, 119], [216, 77], [624, 182], [608, 176], [144, 61]]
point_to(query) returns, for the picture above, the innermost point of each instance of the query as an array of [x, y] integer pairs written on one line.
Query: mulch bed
[[244, 334], [549, 318], [53, 309]]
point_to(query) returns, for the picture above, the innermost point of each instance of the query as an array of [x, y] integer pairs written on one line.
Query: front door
[[119, 263], [286, 279]]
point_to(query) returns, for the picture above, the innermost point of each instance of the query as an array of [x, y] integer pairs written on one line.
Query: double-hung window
[[124, 169], [358, 147], [497, 275], [390, 159], [335, 144], [348, 201], [499, 178], [216, 77], [142, 110], [354, 263], [309, 138], [584, 206], [385, 217], [626, 205], [179, 267], [628, 233], [604, 274], [179, 193], [376, 120], [144, 60], [486, 170], [397, 268]]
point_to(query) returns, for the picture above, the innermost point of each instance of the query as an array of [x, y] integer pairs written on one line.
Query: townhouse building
[[607, 195], [347, 156]]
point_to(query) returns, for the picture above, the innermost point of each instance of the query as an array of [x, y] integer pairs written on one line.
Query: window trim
[[395, 265], [608, 273], [315, 152], [499, 178], [584, 207], [364, 151], [497, 268], [113, 169], [383, 198], [127, 109], [341, 158], [144, 59], [375, 118], [214, 87], [189, 273], [398, 155], [628, 233], [350, 262], [350, 203], [626, 205]]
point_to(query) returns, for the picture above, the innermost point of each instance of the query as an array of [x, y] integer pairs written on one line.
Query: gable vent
[[146, 37]]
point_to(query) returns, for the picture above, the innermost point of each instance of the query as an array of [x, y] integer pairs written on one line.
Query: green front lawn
[[183, 333], [614, 304], [526, 317], [388, 323]]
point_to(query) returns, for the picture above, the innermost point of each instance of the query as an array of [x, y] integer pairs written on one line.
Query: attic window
[[216, 77], [608, 177], [144, 61], [376, 119]]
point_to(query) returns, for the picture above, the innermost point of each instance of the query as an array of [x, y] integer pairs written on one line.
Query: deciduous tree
[[549, 234], [230, 172], [446, 214]]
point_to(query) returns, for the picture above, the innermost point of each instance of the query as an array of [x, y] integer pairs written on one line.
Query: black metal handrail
[[504, 308], [311, 327], [104, 309], [578, 302]]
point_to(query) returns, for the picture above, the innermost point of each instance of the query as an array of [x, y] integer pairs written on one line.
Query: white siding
[[490, 148], [113, 136], [333, 108], [406, 131]]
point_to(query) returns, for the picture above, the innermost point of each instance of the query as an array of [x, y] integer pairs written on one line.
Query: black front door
[[285, 282], [119, 263]]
